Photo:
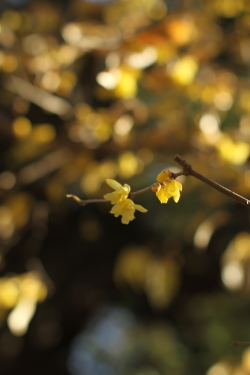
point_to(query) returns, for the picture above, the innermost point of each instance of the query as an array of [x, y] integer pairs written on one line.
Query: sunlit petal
[[114, 184], [140, 208], [161, 196]]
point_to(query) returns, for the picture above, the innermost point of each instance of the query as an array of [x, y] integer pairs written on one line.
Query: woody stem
[[189, 171]]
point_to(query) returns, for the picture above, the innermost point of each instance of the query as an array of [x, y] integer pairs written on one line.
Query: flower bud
[[164, 176], [156, 187]]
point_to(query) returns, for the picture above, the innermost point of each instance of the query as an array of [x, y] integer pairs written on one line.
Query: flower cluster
[[166, 187], [122, 204]]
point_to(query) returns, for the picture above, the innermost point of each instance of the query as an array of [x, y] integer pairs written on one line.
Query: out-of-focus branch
[[42, 98], [239, 343], [189, 171]]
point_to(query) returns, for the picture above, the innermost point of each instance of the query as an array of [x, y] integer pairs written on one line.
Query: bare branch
[[189, 171]]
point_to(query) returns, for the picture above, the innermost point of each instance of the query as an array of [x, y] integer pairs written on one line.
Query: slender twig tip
[[240, 343]]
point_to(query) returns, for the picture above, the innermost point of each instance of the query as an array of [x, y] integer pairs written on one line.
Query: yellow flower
[[120, 194], [126, 208], [161, 195], [166, 188], [172, 189]]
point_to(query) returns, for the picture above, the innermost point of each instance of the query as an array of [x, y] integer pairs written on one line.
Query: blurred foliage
[[114, 89]]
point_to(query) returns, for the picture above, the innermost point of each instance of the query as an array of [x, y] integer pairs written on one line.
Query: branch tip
[[78, 200], [186, 167], [239, 343], [189, 171]]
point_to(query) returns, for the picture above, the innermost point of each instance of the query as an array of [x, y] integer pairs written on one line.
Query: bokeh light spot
[[184, 70], [232, 275], [21, 127], [7, 180], [232, 151], [110, 79], [11, 19], [20, 317], [223, 101], [9, 293], [156, 9], [128, 164], [209, 123], [9, 63], [219, 369], [123, 125], [141, 60], [43, 133], [34, 44]]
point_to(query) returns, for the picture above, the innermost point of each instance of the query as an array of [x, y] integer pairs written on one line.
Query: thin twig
[[239, 343], [84, 202], [175, 175], [189, 171], [134, 194]]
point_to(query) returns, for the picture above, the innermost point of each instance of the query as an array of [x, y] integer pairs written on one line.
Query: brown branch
[[134, 194], [189, 171]]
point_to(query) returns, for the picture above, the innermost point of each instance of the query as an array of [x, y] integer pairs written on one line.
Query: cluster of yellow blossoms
[[165, 188], [122, 204]]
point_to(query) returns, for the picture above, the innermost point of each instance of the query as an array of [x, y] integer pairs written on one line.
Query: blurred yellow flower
[[184, 70], [166, 188], [126, 208], [120, 194], [234, 152]]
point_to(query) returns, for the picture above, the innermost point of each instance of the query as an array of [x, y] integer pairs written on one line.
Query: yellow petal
[[161, 196], [127, 217], [126, 208], [125, 221], [171, 187], [179, 185], [116, 208], [114, 184], [109, 196], [140, 208], [127, 188], [176, 197]]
